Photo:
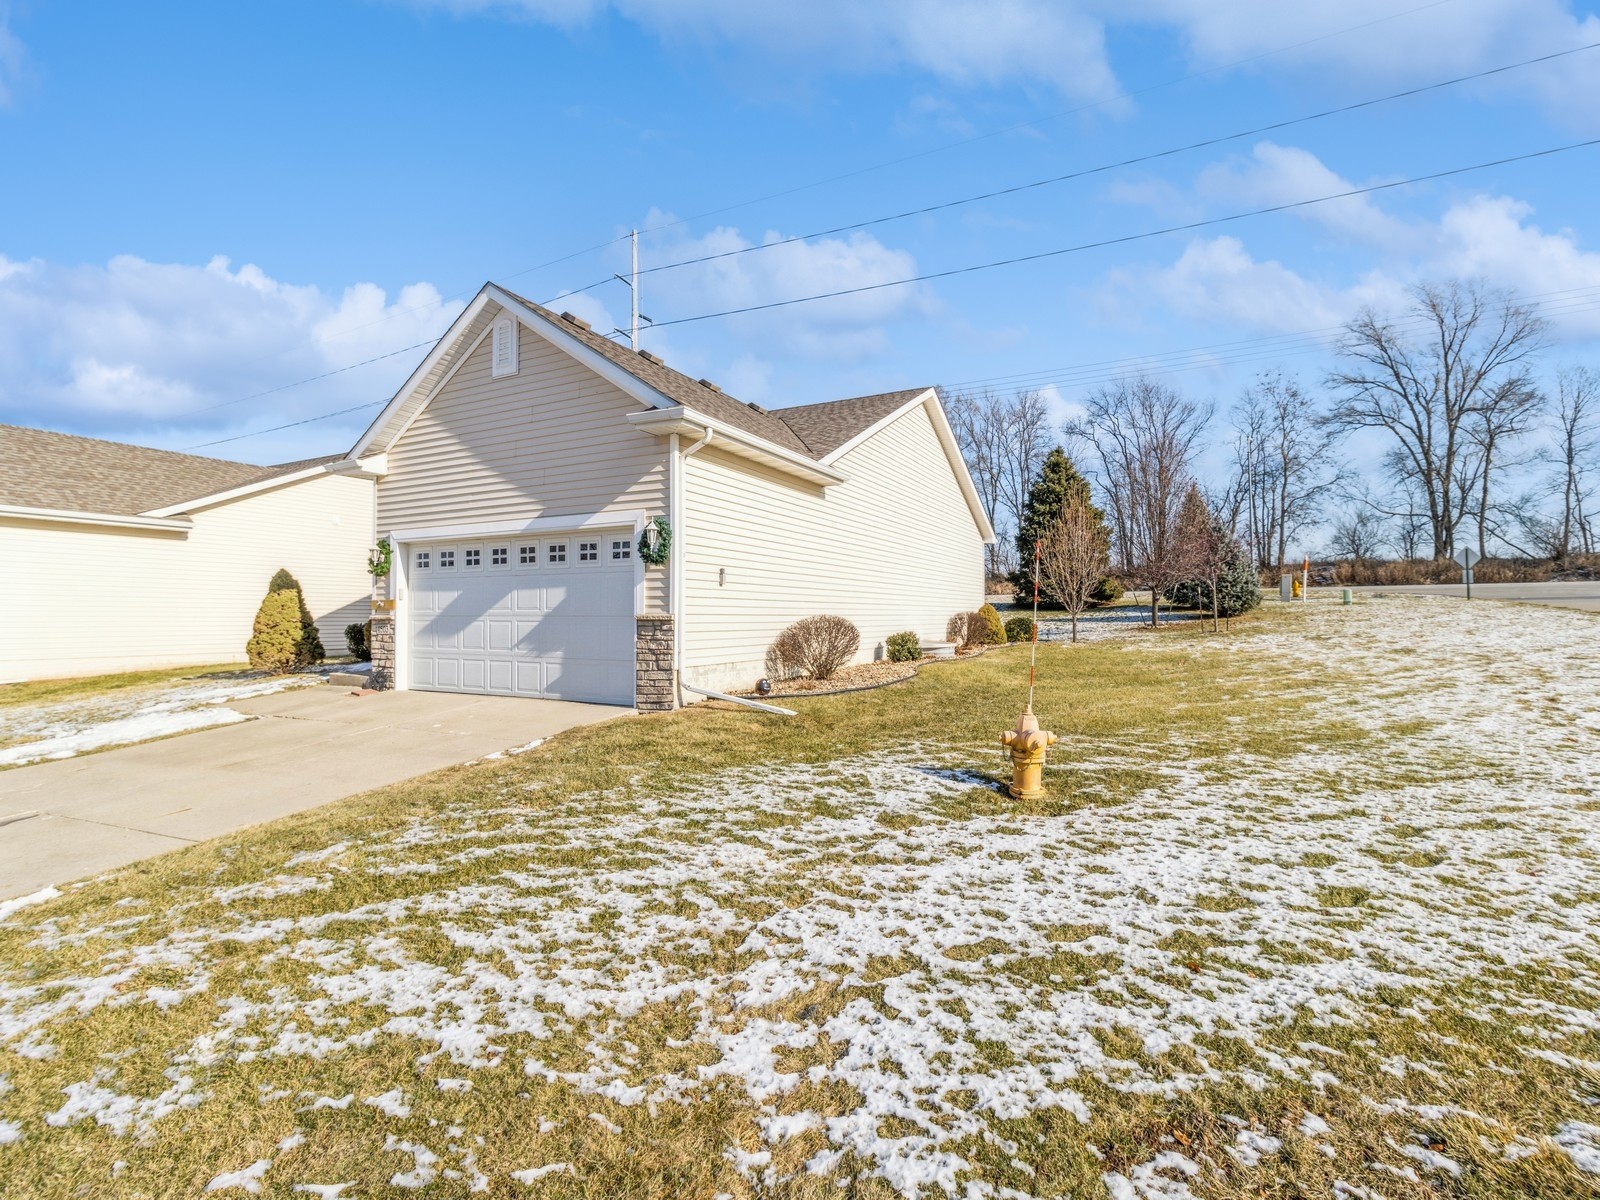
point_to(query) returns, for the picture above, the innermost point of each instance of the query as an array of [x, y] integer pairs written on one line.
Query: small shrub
[[991, 630], [904, 647], [815, 646], [282, 581], [1108, 591], [277, 642], [1019, 629], [358, 638]]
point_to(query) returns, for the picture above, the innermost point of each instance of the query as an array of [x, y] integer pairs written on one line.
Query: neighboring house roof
[[43, 469], [826, 427]]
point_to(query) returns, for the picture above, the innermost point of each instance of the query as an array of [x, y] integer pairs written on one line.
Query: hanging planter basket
[[655, 542]]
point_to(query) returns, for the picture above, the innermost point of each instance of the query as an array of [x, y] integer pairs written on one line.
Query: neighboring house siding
[[550, 441], [893, 548], [81, 600]]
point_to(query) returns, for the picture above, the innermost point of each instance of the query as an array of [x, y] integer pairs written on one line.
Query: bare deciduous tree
[[1003, 439], [1358, 536], [1284, 464], [1425, 379], [1142, 435], [1073, 556], [1577, 457], [1507, 415], [1205, 545]]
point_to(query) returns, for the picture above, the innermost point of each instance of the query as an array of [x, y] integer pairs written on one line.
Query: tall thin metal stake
[[1033, 651]]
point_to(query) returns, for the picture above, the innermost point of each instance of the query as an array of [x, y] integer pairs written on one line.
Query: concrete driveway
[[64, 820]]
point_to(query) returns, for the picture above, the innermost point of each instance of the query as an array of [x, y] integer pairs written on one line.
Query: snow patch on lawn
[[55, 731], [888, 908], [7, 907]]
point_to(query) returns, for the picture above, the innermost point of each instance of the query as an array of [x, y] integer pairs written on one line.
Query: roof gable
[[40, 468]]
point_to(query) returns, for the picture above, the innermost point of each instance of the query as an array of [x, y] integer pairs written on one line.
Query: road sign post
[[1466, 557]]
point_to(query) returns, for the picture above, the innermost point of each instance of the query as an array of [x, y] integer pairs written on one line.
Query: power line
[[1126, 162], [239, 437], [1123, 95], [1126, 238], [1111, 99]]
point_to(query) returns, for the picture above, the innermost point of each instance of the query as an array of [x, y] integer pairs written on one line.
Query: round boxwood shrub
[[358, 639], [991, 630], [815, 646], [1107, 591], [904, 647], [1019, 629]]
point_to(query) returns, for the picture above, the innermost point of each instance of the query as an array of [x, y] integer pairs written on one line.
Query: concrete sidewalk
[[64, 820]]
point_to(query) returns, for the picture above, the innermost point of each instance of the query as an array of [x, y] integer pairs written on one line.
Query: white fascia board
[[373, 466], [687, 421], [440, 348], [66, 516], [540, 525], [550, 331], [239, 493]]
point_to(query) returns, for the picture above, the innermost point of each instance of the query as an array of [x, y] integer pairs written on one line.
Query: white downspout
[[676, 585]]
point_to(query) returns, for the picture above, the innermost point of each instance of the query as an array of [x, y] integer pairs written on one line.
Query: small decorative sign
[[383, 606]]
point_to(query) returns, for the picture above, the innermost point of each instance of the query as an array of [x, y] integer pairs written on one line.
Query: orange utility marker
[[1027, 742]]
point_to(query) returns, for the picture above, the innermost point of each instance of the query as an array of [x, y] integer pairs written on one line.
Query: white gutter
[[675, 595], [66, 516], [766, 708]]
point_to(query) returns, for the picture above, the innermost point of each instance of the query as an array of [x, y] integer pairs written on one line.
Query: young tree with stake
[[1074, 551]]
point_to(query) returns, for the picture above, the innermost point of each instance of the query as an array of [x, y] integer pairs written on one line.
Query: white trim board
[[481, 529], [238, 493], [67, 516]]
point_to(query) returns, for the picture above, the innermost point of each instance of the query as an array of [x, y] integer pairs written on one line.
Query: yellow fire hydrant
[[1027, 743]]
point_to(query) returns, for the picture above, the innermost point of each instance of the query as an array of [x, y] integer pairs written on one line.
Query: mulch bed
[[859, 678]]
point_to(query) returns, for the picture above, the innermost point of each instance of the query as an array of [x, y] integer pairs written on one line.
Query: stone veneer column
[[382, 650], [654, 688]]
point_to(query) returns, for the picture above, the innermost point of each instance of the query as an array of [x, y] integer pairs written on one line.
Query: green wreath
[[655, 542], [381, 560]]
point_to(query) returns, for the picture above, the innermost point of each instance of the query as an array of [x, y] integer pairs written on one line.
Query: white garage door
[[547, 616]]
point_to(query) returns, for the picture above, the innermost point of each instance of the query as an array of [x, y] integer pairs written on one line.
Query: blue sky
[[206, 202]]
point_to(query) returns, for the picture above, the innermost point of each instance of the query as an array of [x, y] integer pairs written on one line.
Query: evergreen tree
[[1057, 482], [311, 648]]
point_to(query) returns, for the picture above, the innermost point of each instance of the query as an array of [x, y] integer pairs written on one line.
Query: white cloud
[[1002, 41], [840, 330], [1274, 175], [1490, 238], [132, 349], [1419, 42]]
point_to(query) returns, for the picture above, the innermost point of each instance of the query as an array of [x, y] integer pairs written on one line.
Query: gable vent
[[574, 319], [706, 383], [648, 357], [503, 353]]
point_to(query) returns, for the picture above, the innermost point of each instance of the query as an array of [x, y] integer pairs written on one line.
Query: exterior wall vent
[[503, 351]]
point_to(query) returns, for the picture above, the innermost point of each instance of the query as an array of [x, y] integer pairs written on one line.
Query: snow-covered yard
[[37, 732], [1329, 928]]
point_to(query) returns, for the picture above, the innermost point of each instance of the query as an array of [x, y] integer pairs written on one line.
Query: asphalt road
[[1580, 595]]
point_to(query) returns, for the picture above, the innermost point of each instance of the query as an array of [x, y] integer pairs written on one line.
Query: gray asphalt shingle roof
[[814, 430], [40, 468]]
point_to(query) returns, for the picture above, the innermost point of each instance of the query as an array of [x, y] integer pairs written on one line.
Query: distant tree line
[[1442, 397]]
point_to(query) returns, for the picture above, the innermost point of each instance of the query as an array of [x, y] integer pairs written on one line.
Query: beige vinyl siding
[[550, 441], [83, 600], [893, 548]]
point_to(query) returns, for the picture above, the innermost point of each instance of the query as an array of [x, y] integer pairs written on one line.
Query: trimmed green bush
[[1019, 629], [1109, 592], [282, 581], [277, 642], [991, 629], [358, 639], [903, 647]]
